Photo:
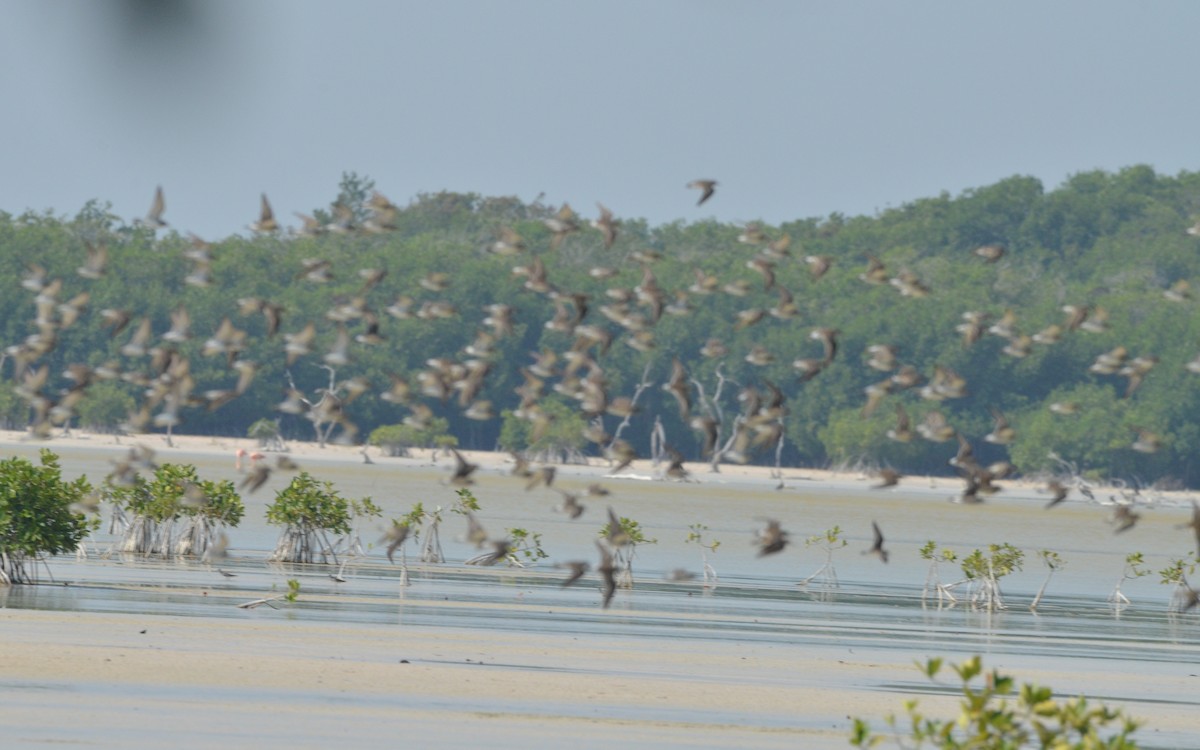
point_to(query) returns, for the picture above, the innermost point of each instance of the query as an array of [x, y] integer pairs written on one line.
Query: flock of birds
[[158, 365]]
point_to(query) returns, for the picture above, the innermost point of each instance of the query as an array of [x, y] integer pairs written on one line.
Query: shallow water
[[1076, 641]]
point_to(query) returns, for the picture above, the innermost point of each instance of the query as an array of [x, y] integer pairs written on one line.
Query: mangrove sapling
[[829, 540], [431, 550], [1053, 563], [624, 535], [36, 517], [465, 505], [990, 717], [524, 547], [309, 511], [1175, 575], [359, 510], [175, 493], [1135, 567], [933, 580], [696, 536], [985, 572], [400, 532], [209, 507], [292, 594]]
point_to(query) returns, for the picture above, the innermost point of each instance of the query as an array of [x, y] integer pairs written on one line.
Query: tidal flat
[[119, 650]]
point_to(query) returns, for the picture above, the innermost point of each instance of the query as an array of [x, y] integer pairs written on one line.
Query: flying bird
[[1058, 492], [608, 573], [706, 188], [395, 538], [154, 216], [877, 547], [266, 218], [771, 539], [462, 470], [577, 567]]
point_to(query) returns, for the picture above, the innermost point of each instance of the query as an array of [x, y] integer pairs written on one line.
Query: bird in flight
[[154, 217], [771, 539], [877, 547], [706, 188]]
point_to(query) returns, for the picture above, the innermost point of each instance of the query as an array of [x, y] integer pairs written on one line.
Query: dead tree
[[712, 407], [637, 394]]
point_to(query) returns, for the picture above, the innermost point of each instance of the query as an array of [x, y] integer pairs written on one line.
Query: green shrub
[[989, 718], [174, 493], [397, 439], [309, 511], [35, 515]]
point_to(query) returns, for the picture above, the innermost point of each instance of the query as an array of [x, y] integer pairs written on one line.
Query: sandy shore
[[291, 682], [302, 451], [148, 681]]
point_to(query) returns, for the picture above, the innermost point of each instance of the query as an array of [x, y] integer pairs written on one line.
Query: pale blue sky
[[799, 109]]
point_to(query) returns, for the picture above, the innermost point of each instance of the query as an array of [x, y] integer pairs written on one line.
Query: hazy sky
[[799, 109]]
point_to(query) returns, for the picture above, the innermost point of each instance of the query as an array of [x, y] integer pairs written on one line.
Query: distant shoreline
[[500, 462]]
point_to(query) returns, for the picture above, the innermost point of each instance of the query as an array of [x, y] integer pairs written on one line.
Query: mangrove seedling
[[933, 580], [695, 536], [829, 540], [524, 546], [359, 510], [1175, 575], [1135, 567], [623, 536], [292, 594], [1053, 563], [984, 572]]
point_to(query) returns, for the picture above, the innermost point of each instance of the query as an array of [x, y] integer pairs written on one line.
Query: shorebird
[[256, 478], [606, 224], [818, 265], [1194, 524], [266, 218], [570, 504], [877, 547], [990, 253], [617, 535], [154, 215], [475, 532], [608, 571], [462, 470], [887, 478], [771, 539], [97, 259], [395, 537], [578, 569], [1058, 492], [706, 188], [679, 387], [561, 224], [1125, 518], [1002, 433], [1147, 441]]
